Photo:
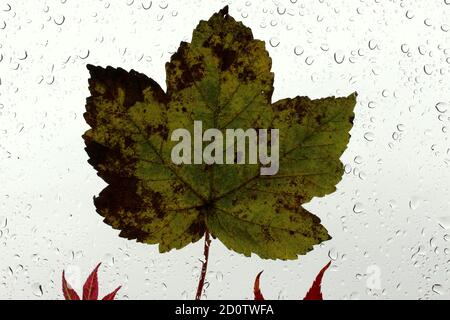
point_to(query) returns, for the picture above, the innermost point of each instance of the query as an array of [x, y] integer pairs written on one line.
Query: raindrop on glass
[[36, 288], [414, 203], [369, 136], [427, 69], [333, 254], [438, 289], [339, 57], [146, 5], [371, 105], [373, 45], [358, 208], [444, 222], [274, 42], [405, 48], [441, 106], [309, 60], [358, 159], [3, 222], [298, 50]]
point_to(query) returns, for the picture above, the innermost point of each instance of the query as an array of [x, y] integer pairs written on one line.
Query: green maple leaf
[[222, 78]]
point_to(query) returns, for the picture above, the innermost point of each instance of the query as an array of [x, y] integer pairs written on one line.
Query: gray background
[[388, 217]]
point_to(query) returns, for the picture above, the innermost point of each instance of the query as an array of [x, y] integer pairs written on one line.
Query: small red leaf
[[315, 292], [256, 289], [112, 295], [69, 293], [90, 288]]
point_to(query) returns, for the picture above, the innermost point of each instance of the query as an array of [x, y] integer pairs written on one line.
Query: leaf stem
[[201, 281]]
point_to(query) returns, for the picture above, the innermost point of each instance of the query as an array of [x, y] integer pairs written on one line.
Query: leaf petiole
[[201, 281]]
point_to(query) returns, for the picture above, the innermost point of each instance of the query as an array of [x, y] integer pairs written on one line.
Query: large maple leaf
[[222, 78]]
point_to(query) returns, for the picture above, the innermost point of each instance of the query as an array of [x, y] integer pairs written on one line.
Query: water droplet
[[281, 10], [24, 56], [339, 57], [163, 5], [371, 105], [395, 136], [409, 14], [274, 42], [373, 44], [333, 254], [147, 5], [309, 60], [438, 288], [421, 50], [362, 175], [414, 203], [441, 106], [37, 289], [347, 168], [444, 222], [3, 222], [369, 136], [405, 48], [109, 259], [428, 69], [298, 50], [358, 208], [59, 20], [84, 54], [324, 47]]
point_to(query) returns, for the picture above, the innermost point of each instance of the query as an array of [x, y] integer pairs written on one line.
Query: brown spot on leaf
[[132, 83], [182, 74]]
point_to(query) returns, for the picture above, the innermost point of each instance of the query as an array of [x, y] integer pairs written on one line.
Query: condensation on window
[[389, 217]]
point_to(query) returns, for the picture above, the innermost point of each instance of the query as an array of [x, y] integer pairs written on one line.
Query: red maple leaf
[[314, 293], [256, 289], [90, 288]]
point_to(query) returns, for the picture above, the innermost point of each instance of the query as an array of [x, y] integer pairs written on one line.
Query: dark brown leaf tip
[[224, 11]]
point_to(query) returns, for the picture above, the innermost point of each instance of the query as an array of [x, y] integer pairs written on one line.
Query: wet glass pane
[[388, 217]]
